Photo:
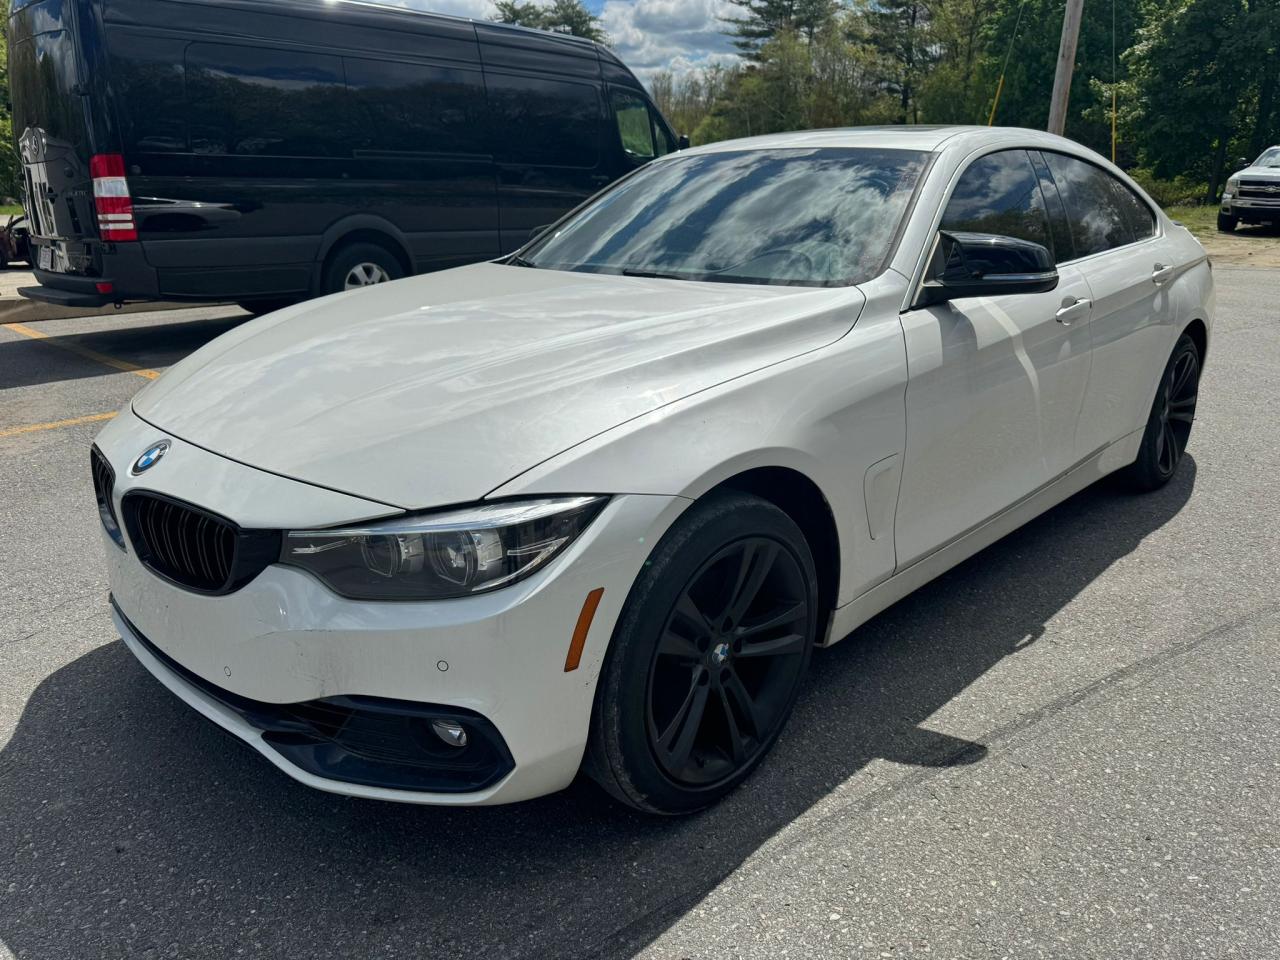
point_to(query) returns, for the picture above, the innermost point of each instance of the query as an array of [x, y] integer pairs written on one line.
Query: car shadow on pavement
[[131, 827], [26, 362]]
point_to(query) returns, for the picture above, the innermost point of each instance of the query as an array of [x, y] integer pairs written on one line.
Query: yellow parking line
[[125, 365], [54, 425]]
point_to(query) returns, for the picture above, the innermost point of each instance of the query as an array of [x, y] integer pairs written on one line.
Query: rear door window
[[408, 108], [1000, 194], [1096, 212], [553, 123], [255, 101], [1142, 222]]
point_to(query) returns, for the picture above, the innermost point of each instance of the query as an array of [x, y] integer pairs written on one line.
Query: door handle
[[1072, 309], [1161, 274]]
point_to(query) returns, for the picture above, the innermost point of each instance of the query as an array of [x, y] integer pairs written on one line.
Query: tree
[[766, 20], [560, 16], [1201, 71], [900, 31]]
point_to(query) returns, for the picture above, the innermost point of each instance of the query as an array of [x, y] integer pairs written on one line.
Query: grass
[[1200, 219], [8, 209]]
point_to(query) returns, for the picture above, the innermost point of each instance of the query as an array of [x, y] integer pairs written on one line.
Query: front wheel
[[1227, 223], [707, 658], [1169, 425]]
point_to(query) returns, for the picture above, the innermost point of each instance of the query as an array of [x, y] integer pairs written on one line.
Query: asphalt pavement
[[1067, 747]]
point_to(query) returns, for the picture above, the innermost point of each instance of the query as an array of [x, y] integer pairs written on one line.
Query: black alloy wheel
[[707, 657], [727, 662], [1172, 414]]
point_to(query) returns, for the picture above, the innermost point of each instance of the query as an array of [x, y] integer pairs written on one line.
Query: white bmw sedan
[[591, 507]]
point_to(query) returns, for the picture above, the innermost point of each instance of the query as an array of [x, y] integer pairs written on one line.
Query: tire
[[669, 665], [350, 262], [1227, 223], [1164, 442], [259, 307]]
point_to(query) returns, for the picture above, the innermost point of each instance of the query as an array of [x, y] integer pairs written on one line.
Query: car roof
[[931, 139]]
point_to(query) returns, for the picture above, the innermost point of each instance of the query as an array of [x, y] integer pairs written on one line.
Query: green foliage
[[760, 21], [1180, 191], [10, 168], [561, 16]]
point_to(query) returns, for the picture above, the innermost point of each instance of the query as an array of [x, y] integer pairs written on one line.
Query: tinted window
[[1142, 222], [250, 101], [810, 217], [545, 122], [635, 129], [1000, 193], [408, 108], [1059, 224], [152, 106], [1098, 220], [666, 143]]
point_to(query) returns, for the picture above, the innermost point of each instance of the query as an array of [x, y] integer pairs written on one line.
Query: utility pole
[[1066, 64]]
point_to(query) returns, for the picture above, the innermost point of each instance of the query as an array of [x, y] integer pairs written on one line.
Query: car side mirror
[[1243, 163], [985, 265], [682, 142]]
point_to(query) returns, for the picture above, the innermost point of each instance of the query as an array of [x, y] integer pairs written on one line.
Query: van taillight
[[111, 197]]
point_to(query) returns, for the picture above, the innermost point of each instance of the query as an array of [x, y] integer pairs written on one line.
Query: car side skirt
[[846, 619]]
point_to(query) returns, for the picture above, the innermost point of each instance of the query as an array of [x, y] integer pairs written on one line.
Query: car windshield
[[1269, 158], [803, 217]]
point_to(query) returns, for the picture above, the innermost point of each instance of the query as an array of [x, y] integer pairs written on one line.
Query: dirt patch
[[1247, 247]]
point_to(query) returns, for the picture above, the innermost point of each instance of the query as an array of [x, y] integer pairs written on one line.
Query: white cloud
[[649, 35], [653, 35]]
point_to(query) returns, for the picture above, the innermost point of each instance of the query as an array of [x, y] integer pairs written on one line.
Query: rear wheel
[[1169, 426], [1227, 223], [707, 658], [358, 265]]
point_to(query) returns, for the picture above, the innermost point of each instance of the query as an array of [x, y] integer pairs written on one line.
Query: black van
[[264, 151]]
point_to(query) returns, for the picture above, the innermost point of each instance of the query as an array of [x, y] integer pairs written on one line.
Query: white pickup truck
[[1252, 195]]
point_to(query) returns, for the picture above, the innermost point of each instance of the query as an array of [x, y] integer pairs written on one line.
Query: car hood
[[437, 389], [1258, 173]]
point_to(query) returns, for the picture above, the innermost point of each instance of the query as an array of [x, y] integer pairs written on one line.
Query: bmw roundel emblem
[[150, 457]]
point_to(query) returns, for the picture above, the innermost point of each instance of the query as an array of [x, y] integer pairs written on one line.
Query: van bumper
[[124, 267]]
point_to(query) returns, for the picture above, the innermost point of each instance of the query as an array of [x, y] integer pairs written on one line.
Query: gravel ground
[[1067, 747]]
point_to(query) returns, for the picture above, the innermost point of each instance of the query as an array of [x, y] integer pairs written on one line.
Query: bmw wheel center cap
[[150, 457]]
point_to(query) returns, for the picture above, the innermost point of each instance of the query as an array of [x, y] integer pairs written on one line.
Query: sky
[[649, 35]]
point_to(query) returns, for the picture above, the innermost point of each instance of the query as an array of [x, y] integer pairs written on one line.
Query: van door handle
[[1161, 274], [1071, 310]]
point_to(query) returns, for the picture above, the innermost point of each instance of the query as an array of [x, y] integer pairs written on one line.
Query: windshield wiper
[[653, 275], [518, 261]]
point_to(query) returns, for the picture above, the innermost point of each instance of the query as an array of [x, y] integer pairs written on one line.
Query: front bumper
[[1251, 209], [285, 639]]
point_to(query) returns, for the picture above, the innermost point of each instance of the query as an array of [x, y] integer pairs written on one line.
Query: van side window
[[635, 127], [1098, 221], [408, 108], [1000, 193], [254, 101], [664, 141], [552, 123]]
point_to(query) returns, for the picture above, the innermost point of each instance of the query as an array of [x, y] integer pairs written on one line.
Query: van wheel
[[259, 307], [360, 265]]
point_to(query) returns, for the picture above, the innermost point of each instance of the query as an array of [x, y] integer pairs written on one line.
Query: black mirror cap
[[986, 265], [1243, 163], [682, 142]]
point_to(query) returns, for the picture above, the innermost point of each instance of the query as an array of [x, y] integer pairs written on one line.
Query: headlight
[[1233, 187], [435, 556]]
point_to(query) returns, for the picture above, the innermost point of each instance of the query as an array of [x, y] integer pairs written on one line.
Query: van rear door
[[51, 117]]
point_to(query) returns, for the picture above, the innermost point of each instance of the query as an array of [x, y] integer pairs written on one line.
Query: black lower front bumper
[[372, 741]]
